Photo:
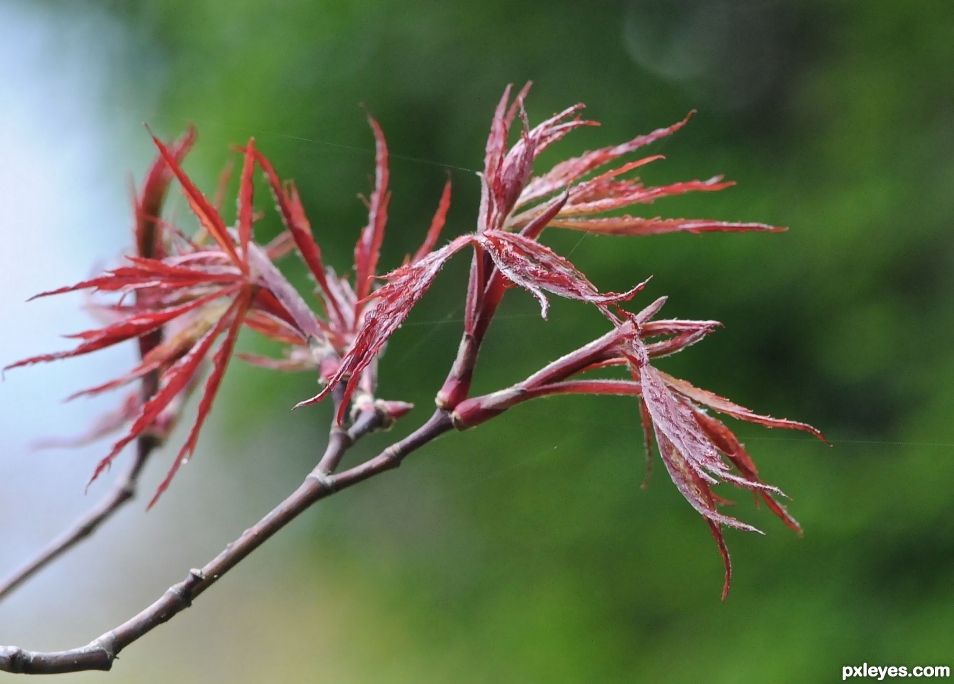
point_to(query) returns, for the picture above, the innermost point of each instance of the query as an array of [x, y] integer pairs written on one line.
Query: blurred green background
[[525, 551]]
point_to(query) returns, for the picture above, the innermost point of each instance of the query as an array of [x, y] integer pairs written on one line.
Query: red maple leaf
[[185, 300]]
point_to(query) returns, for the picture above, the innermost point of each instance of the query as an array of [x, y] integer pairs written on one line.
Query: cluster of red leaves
[[515, 208], [179, 296], [697, 449]]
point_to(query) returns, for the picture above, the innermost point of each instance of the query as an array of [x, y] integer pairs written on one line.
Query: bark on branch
[[122, 491], [100, 653]]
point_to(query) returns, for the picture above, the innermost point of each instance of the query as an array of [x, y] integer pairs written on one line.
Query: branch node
[[392, 456], [323, 479], [183, 596], [127, 491], [106, 644]]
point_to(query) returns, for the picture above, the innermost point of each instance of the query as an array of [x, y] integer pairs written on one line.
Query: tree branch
[[100, 653], [122, 491]]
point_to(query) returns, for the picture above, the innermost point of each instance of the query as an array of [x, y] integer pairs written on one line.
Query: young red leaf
[[536, 268], [727, 442], [556, 128], [173, 382], [505, 180], [148, 205], [513, 173], [391, 305], [274, 327], [162, 354], [567, 172], [302, 316], [697, 492], [680, 340], [638, 225], [208, 217], [296, 221], [672, 420], [486, 305], [675, 326], [266, 302], [547, 211], [146, 273], [493, 157], [296, 224], [724, 552], [620, 194], [723, 405], [694, 487], [593, 187], [437, 223], [606, 178], [245, 197], [368, 248], [219, 363], [517, 103], [210, 264], [129, 328], [346, 301], [141, 370]]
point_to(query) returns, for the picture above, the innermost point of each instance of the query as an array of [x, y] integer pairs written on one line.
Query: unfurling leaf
[[537, 268], [391, 305]]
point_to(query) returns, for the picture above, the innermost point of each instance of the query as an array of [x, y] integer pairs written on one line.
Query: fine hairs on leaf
[[185, 298]]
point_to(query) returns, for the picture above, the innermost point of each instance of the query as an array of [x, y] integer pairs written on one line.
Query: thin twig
[[122, 491], [100, 653]]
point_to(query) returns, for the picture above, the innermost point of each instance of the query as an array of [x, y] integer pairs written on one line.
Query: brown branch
[[122, 491], [100, 653]]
